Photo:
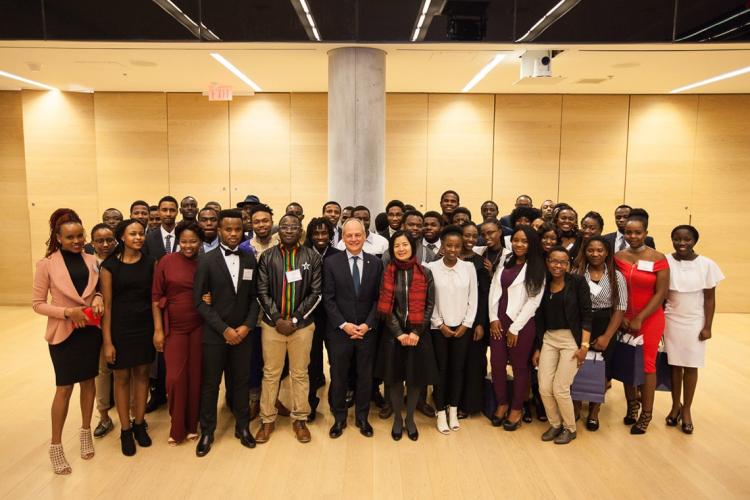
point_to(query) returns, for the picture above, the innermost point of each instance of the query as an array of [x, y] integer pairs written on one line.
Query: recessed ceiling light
[[26, 80], [483, 72], [239, 74], [718, 78]]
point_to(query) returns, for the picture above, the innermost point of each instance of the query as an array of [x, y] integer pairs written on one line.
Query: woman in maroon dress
[[178, 330]]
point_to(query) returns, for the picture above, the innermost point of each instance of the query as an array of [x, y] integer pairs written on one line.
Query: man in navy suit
[[351, 286], [617, 238]]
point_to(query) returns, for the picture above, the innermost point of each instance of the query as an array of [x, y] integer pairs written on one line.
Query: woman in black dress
[[128, 326], [69, 276], [407, 297], [472, 400]]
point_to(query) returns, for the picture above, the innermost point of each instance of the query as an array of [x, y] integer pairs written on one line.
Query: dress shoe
[[426, 409], [349, 399], [551, 433], [397, 435], [527, 411], [385, 412], [565, 437], [204, 445], [301, 431], [337, 429], [153, 405], [412, 435], [364, 427], [283, 410], [264, 433], [378, 399], [104, 427], [254, 409], [246, 439]]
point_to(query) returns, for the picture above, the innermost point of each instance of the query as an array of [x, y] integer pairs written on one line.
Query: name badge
[[595, 288], [293, 275], [247, 274], [646, 265]]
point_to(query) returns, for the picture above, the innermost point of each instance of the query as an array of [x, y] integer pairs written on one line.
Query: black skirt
[[415, 365], [599, 322], [77, 358]]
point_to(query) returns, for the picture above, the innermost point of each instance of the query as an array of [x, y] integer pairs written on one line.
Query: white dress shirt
[[233, 265], [208, 246], [619, 240], [427, 245], [360, 263], [172, 246], [455, 294], [374, 244]]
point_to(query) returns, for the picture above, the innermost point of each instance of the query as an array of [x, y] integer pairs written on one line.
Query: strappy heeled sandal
[[57, 456]]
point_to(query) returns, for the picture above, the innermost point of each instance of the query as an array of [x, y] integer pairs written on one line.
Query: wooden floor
[[478, 461]]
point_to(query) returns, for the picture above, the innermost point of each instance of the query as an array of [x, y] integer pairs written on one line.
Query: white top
[[233, 265], [693, 275], [171, 247], [521, 308], [455, 294], [374, 244]]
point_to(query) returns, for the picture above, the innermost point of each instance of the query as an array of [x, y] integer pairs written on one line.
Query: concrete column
[[356, 127]]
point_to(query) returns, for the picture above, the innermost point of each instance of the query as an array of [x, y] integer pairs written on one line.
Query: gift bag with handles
[[627, 360], [663, 371], [590, 382]]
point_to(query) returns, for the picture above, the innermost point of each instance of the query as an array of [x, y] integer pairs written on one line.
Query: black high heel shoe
[[412, 435], [512, 426], [397, 435], [687, 427], [527, 412], [641, 425], [673, 421], [632, 416]]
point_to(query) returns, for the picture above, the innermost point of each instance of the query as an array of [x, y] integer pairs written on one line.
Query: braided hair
[[57, 219]]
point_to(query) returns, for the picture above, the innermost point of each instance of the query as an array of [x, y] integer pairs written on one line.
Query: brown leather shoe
[[301, 431], [264, 433], [283, 410], [254, 409]]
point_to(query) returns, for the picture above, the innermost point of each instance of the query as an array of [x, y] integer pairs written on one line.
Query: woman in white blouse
[[689, 314], [452, 320]]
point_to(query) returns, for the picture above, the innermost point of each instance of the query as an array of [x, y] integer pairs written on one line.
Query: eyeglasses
[[557, 262], [284, 227]]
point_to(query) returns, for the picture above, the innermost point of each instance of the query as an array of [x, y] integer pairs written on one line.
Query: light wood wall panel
[[721, 192], [259, 149], [593, 144], [661, 145], [309, 152], [406, 118], [132, 160], [198, 141], [459, 148], [15, 261], [60, 147], [527, 148]]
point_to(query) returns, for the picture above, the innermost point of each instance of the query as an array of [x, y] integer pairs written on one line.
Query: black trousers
[[315, 368], [450, 354], [342, 351], [215, 358]]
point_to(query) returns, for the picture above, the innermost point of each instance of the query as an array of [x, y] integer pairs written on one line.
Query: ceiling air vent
[[591, 81]]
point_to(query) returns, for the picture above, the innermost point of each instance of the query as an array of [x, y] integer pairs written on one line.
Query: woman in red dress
[[646, 272], [178, 330]]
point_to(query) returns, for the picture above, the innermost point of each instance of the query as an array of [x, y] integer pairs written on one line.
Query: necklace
[[640, 249]]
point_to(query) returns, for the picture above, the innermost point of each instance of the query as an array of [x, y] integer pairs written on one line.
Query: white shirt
[[172, 247], [374, 244], [455, 294], [350, 256], [207, 247], [233, 265], [619, 239], [437, 245]]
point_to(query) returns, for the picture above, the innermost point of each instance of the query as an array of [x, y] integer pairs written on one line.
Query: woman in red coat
[[178, 330], [646, 272]]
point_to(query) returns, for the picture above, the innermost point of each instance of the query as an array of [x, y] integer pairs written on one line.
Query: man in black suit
[[160, 242], [229, 276], [617, 238], [394, 212], [351, 286], [522, 201], [332, 212]]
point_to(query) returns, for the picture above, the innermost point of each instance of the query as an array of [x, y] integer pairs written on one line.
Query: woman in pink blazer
[[70, 277]]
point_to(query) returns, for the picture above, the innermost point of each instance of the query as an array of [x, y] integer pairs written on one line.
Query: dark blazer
[[154, 245], [577, 303], [228, 308], [612, 238], [341, 304]]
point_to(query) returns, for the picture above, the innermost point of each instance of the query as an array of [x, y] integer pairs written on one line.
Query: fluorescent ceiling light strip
[[691, 35], [426, 6], [421, 21], [483, 72], [26, 80], [239, 74], [416, 34], [315, 32], [715, 79], [545, 16], [304, 6]]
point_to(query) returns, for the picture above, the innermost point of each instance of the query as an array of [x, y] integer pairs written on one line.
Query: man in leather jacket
[[289, 290]]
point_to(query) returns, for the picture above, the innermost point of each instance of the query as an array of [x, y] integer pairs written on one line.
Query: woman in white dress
[[689, 313]]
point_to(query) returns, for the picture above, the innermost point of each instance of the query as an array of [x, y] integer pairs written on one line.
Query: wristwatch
[[585, 344]]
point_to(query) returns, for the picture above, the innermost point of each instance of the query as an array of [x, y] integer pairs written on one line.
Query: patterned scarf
[[288, 305], [417, 291]]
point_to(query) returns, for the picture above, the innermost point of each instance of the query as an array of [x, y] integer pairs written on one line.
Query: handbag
[[91, 318], [663, 371], [627, 360], [590, 381]]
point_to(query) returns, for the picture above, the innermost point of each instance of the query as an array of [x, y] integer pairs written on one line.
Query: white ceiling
[[187, 67]]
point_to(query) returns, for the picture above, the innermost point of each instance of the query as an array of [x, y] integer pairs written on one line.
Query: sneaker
[[551, 433], [565, 437]]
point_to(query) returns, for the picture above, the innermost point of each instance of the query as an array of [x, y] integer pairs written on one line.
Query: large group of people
[[156, 312]]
